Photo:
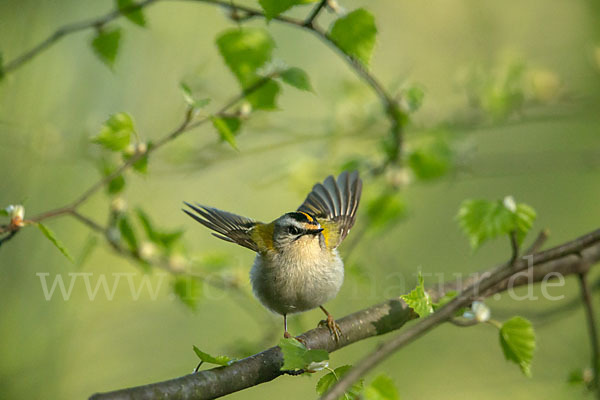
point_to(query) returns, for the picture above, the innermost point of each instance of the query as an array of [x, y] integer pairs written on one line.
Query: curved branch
[[69, 29], [184, 126], [391, 106], [376, 320]]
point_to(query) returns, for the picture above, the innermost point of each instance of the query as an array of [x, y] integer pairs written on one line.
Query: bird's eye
[[294, 230]]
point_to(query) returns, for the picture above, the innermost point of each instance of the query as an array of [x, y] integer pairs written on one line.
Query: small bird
[[297, 265]]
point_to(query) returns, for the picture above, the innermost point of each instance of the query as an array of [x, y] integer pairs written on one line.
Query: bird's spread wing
[[229, 227], [334, 204]]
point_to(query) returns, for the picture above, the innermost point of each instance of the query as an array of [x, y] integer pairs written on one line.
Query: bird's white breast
[[299, 280]]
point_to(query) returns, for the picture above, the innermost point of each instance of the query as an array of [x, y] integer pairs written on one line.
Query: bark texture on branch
[[373, 321]]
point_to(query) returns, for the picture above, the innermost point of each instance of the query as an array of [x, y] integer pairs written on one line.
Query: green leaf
[[355, 34], [431, 159], [445, 299], [106, 45], [418, 299], [135, 15], [297, 78], [273, 8], [524, 217], [165, 239], [482, 219], [190, 99], [116, 185], [127, 233], [55, 241], [382, 388], [506, 94], [4, 212], [226, 127], [265, 98], [188, 290], [88, 247], [116, 132], [315, 356], [328, 380], [218, 360], [413, 96], [517, 339], [141, 165], [147, 225], [244, 51], [386, 209], [296, 356]]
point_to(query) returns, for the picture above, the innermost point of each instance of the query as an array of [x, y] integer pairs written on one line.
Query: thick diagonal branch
[[376, 320], [491, 281]]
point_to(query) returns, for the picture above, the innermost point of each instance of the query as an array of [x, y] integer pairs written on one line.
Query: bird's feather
[[229, 227], [334, 204]]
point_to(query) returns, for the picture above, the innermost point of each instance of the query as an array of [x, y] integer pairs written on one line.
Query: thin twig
[[184, 126], [514, 245], [549, 315], [593, 331], [93, 225], [538, 242], [69, 29], [10, 235], [391, 106], [315, 13]]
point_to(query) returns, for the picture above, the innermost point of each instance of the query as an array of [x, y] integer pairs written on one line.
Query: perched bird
[[297, 265]]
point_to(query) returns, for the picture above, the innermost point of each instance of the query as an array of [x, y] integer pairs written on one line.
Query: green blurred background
[[546, 154]]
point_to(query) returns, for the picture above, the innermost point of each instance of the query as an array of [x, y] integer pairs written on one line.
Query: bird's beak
[[313, 231]]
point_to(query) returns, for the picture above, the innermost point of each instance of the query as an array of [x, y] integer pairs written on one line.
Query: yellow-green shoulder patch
[[262, 234], [331, 233]]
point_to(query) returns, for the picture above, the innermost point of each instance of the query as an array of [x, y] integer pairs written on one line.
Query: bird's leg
[[334, 328], [286, 334]]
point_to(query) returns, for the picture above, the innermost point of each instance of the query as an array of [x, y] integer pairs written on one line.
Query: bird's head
[[295, 229]]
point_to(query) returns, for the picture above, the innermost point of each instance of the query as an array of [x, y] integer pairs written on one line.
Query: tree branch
[[593, 332], [315, 13], [538, 242], [376, 320], [184, 126], [514, 245], [489, 280], [69, 29], [11, 234], [391, 106]]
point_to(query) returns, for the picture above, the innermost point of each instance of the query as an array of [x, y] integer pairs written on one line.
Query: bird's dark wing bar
[[335, 201], [230, 227]]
